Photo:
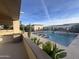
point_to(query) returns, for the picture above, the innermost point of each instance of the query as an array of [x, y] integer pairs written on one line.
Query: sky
[[49, 12]]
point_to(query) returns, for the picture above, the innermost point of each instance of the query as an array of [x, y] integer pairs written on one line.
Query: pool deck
[[73, 49], [13, 51]]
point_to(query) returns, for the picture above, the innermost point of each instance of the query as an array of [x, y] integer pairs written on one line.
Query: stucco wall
[[16, 26]]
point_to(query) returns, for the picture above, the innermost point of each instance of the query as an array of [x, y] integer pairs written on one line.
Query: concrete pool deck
[[72, 50]]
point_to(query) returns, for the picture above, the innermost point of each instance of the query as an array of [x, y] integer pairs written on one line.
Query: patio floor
[[13, 51]]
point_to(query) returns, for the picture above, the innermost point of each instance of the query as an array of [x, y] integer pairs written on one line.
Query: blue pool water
[[61, 38]]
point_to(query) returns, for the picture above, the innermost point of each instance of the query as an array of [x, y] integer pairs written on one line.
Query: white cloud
[[59, 21], [21, 12], [64, 21]]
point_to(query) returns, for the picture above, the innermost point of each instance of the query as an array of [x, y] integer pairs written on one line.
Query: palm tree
[[53, 51], [22, 27], [29, 31]]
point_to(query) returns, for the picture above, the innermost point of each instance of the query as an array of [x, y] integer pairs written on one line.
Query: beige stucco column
[[16, 26]]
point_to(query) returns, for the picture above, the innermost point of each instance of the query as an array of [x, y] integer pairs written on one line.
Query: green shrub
[[36, 41], [53, 51]]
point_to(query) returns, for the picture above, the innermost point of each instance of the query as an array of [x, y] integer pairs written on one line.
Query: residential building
[[37, 27]]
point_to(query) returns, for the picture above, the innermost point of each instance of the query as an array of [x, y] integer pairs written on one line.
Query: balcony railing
[[33, 51]]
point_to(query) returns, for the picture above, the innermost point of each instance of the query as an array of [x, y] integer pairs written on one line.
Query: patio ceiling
[[9, 9]]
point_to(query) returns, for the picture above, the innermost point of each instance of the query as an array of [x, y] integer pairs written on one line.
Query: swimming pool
[[61, 38]]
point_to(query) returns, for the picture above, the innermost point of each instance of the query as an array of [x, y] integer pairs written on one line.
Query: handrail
[[34, 52]]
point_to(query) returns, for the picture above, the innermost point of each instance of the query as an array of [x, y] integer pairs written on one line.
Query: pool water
[[61, 38]]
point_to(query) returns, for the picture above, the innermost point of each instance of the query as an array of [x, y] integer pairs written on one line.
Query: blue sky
[[49, 12]]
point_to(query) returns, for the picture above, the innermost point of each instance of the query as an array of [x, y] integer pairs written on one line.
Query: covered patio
[[9, 16], [14, 44]]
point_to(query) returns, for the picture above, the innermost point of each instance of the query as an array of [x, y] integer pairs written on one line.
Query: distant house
[[37, 27], [65, 27]]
